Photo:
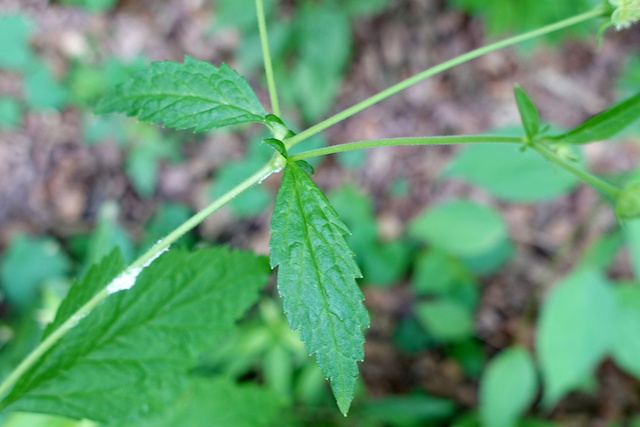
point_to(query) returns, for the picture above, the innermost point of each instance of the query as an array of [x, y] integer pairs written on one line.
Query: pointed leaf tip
[[316, 278]]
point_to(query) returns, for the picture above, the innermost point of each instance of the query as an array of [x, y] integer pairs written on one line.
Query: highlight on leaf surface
[[316, 278], [194, 94]]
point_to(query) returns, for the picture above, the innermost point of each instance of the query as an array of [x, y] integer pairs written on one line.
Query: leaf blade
[[316, 278], [528, 112], [194, 94], [570, 340], [131, 353], [603, 125]]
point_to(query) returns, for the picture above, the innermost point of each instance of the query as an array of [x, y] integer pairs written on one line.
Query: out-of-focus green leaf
[[166, 219], [194, 94], [108, 234], [10, 113], [43, 91], [92, 5], [574, 331], [507, 388], [217, 402], [15, 52], [626, 346], [316, 278], [603, 125], [257, 198], [460, 227], [27, 264], [403, 410], [447, 320], [510, 173], [632, 236]]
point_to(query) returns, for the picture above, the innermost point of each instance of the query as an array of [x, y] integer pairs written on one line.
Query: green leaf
[[460, 227], [571, 339], [445, 319], [43, 91], [603, 125], [632, 236], [10, 113], [507, 388], [407, 410], [511, 174], [626, 347], [15, 52], [217, 402], [27, 264], [528, 112], [194, 94], [316, 278], [253, 201], [130, 355]]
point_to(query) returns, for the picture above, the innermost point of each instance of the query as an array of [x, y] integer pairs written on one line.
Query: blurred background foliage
[[427, 274]]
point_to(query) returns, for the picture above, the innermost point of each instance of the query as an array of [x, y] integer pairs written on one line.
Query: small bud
[[625, 14], [628, 203]]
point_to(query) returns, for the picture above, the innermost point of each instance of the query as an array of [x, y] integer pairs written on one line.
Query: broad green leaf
[[460, 227], [574, 331], [194, 94], [510, 173], [408, 410], [10, 113], [436, 273], [316, 278], [27, 264], [15, 52], [626, 346], [507, 388], [217, 402], [253, 201], [632, 236], [130, 355], [603, 125], [528, 112], [43, 91], [447, 320]]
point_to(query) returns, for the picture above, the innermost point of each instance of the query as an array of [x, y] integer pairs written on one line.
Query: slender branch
[[276, 163], [598, 11], [597, 183], [266, 55], [427, 140]]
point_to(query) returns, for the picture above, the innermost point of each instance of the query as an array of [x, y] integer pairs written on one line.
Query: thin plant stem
[[275, 164], [597, 183], [427, 140], [266, 55], [598, 11]]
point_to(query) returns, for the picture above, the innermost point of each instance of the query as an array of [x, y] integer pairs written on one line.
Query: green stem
[[597, 183], [427, 140], [266, 55], [276, 163], [598, 11]]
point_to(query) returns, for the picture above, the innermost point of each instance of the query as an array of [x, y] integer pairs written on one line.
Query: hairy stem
[[598, 11], [272, 166], [266, 55], [597, 183], [426, 140]]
